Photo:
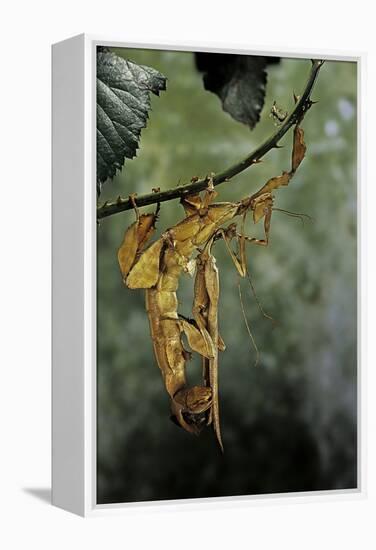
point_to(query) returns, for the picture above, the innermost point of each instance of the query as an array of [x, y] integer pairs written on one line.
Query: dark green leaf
[[123, 103], [238, 80]]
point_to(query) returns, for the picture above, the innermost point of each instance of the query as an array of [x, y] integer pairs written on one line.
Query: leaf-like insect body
[[176, 361], [158, 269], [212, 280], [128, 250], [221, 212], [299, 148], [146, 227], [260, 207], [170, 270], [159, 305], [145, 272], [205, 233], [275, 183], [212, 289], [167, 303], [191, 204], [134, 241], [198, 341], [218, 214], [186, 229], [188, 406], [258, 212], [198, 399]]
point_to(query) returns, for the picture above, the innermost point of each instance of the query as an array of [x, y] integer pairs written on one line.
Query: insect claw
[[296, 97]]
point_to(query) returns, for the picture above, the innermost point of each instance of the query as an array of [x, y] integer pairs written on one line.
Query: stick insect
[[157, 270]]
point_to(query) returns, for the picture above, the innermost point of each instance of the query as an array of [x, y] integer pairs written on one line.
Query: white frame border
[[88, 506]]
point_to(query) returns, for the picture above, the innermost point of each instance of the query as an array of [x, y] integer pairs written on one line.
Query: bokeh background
[[290, 423]]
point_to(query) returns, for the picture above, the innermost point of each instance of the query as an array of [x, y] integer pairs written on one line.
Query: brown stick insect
[[157, 270]]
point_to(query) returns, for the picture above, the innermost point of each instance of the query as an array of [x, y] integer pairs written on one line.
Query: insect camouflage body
[[157, 270]]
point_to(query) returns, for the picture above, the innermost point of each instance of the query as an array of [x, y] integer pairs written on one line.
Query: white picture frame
[[74, 279]]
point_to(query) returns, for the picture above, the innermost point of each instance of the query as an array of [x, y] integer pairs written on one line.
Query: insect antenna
[[294, 215], [263, 312], [247, 326]]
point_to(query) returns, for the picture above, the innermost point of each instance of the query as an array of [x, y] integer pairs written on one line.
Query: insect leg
[[212, 288]]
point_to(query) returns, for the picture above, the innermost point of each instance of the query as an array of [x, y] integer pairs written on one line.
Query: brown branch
[[302, 106]]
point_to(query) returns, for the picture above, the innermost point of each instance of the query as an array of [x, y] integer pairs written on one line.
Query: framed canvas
[[206, 305]]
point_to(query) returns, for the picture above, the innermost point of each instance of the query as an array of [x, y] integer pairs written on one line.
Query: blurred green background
[[288, 424]]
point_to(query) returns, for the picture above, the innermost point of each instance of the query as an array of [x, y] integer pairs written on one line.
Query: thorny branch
[[302, 106]]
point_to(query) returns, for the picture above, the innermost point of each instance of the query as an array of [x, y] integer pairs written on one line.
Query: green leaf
[[123, 103], [238, 80]]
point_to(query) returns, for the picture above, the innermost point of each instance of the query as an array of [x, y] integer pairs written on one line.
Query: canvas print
[[226, 275]]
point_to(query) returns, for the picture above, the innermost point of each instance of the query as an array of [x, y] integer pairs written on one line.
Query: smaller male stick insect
[[205, 312]]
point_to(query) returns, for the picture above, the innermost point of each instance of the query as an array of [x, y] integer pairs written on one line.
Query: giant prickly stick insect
[[157, 269]]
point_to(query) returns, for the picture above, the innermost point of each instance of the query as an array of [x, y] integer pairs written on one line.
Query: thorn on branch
[[296, 97]]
